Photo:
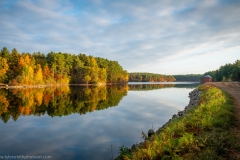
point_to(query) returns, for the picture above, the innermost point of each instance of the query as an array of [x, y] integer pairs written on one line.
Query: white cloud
[[142, 36]]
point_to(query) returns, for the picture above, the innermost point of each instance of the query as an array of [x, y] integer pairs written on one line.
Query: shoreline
[[55, 85], [195, 130], [194, 97], [85, 85]]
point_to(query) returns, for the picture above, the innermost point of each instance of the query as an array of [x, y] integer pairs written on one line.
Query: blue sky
[[158, 36]]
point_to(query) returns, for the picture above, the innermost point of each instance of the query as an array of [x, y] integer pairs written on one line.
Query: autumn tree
[[58, 68], [3, 69], [48, 76], [26, 71], [38, 78]]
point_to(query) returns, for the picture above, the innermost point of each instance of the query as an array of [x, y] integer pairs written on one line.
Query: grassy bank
[[203, 133]]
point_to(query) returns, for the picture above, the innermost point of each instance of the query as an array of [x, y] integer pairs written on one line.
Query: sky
[[157, 36]]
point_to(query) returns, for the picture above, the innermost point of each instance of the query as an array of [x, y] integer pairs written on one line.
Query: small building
[[207, 78]]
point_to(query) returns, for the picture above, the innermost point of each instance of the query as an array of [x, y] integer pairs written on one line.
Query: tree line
[[149, 77], [227, 72], [146, 87], [188, 77], [57, 68], [58, 101]]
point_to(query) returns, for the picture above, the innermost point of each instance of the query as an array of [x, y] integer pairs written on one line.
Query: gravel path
[[232, 88]]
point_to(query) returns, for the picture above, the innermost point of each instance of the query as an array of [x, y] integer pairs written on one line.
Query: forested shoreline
[[188, 78], [154, 77], [149, 77], [228, 72], [57, 68]]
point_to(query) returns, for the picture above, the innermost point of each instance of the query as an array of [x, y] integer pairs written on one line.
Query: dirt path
[[232, 88]]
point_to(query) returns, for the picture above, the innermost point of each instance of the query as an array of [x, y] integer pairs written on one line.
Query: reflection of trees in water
[[61, 101], [97, 98], [192, 85], [144, 87], [58, 101]]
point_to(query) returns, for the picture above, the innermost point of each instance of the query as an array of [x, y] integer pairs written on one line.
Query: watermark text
[[6, 157]]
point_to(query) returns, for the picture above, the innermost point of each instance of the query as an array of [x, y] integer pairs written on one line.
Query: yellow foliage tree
[[3, 104], [38, 79], [26, 74], [3, 67]]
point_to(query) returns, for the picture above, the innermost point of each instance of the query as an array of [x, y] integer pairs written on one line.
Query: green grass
[[203, 133]]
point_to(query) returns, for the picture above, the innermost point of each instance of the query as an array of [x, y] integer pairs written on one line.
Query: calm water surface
[[85, 123]]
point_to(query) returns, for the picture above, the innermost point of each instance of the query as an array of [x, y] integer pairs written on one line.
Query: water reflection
[[74, 123], [140, 86], [58, 101], [62, 101]]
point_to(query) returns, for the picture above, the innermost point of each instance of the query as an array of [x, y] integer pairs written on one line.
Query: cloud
[[141, 36]]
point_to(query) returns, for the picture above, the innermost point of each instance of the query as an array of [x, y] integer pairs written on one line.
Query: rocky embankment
[[194, 101]]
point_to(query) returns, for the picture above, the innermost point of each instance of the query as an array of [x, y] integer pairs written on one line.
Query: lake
[[85, 122]]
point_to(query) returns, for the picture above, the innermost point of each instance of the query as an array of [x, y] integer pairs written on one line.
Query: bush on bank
[[204, 132]]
